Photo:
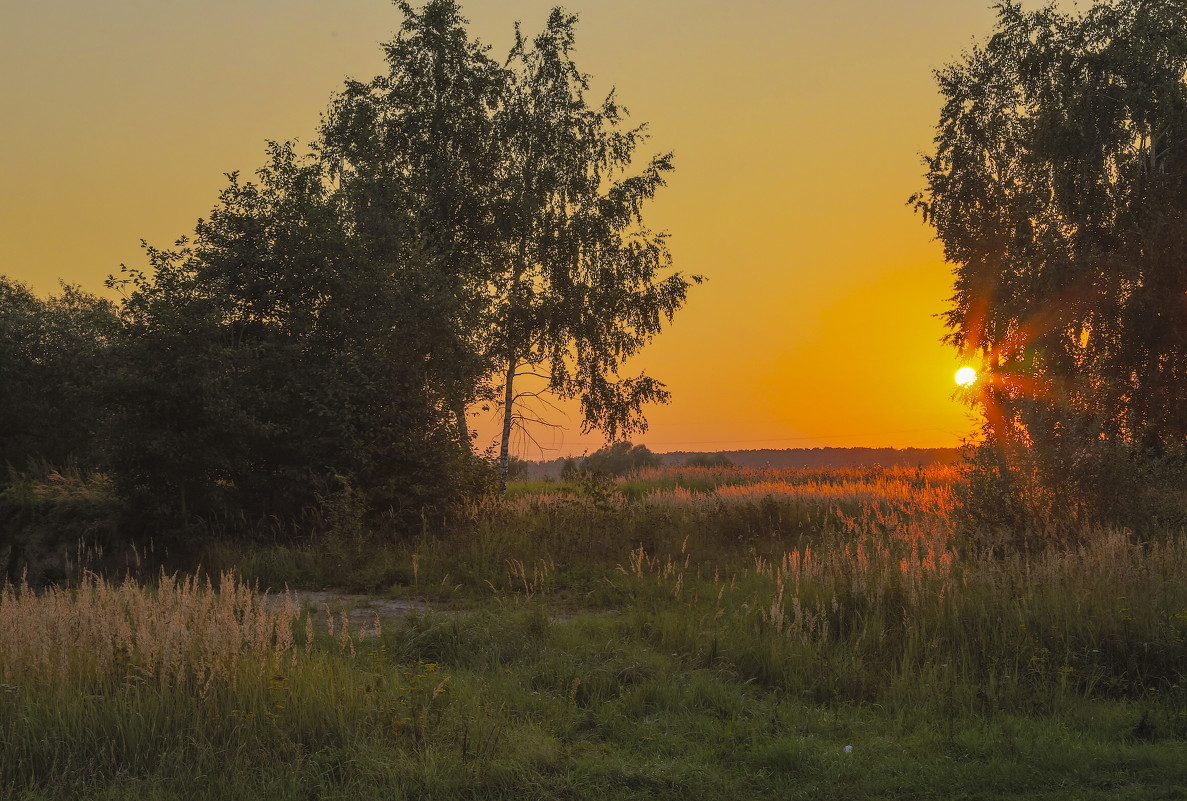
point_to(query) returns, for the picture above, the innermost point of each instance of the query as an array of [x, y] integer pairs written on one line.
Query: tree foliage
[[53, 354], [1058, 188], [620, 459], [518, 193], [415, 155], [711, 460], [313, 349], [273, 360], [583, 284]]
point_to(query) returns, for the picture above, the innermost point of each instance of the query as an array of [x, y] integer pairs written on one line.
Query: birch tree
[[582, 282], [1058, 188]]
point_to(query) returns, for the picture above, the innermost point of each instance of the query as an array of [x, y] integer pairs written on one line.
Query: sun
[[966, 376]]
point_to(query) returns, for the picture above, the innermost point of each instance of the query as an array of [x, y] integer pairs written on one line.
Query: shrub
[[709, 460], [620, 459], [57, 522]]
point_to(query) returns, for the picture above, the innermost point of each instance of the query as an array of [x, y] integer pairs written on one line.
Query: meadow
[[683, 633]]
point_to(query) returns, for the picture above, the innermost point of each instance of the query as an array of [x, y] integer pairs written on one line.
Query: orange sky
[[797, 129]]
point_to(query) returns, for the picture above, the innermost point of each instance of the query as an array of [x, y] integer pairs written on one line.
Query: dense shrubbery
[[53, 361], [1059, 494], [56, 523], [709, 460], [268, 364]]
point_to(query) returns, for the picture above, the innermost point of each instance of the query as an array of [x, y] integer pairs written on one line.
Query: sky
[[798, 129]]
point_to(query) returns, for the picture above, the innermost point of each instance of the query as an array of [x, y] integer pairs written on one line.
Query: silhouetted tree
[[1059, 190], [416, 156], [570, 469], [273, 360], [514, 193], [52, 363], [461, 223], [620, 459], [582, 283], [518, 470], [709, 460]]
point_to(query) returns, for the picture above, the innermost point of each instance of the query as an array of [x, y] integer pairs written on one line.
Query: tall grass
[[694, 631], [179, 634], [858, 617], [722, 514], [108, 680], [851, 586]]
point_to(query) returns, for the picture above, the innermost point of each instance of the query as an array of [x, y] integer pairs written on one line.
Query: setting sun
[[966, 376]]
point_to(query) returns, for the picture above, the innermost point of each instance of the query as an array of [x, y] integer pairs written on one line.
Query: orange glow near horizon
[[126, 116]]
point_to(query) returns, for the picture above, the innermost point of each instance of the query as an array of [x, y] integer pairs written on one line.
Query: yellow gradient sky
[[797, 129]]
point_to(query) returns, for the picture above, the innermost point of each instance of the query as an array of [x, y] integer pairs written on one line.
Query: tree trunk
[[512, 363], [508, 408]]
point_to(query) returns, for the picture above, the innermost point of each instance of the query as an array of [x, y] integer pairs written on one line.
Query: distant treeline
[[828, 457], [785, 457]]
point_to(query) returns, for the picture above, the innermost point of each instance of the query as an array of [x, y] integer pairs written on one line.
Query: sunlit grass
[[688, 633], [178, 634]]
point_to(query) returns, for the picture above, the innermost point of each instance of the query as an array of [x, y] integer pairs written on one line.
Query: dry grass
[[775, 614], [181, 633]]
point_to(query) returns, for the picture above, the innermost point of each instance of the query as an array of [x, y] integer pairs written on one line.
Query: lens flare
[[966, 376]]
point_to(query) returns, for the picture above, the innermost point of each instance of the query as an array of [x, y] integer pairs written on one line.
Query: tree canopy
[[415, 154], [519, 196], [274, 358], [1058, 188], [52, 359], [321, 338], [621, 459], [583, 283]]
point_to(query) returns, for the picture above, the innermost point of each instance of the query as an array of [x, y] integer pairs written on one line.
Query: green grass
[[587, 708], [678, 642]]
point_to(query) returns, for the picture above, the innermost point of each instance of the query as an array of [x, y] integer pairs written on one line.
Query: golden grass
[[181, 633], [889, 576]]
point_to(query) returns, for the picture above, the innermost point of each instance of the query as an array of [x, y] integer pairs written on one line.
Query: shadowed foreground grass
[[744, 636], [506, 704]]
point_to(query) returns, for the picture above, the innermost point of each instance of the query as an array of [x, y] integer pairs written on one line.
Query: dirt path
[[361, 610]]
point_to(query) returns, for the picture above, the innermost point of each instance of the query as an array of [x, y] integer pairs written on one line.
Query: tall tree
[[516, 197], [583, 284], [1058, 188], [413, 151]]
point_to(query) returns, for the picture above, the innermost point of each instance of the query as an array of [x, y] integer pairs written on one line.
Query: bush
[[52, 358], [620, 459], [56, 523], [1032, 497], [709, 460]]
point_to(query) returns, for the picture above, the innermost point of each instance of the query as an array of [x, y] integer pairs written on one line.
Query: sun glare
[[966, 376]]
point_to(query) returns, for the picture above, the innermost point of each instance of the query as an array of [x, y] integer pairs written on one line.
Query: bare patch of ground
[[360, 610]]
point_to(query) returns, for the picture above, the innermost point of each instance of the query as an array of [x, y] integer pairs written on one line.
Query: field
[[685, 633]]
